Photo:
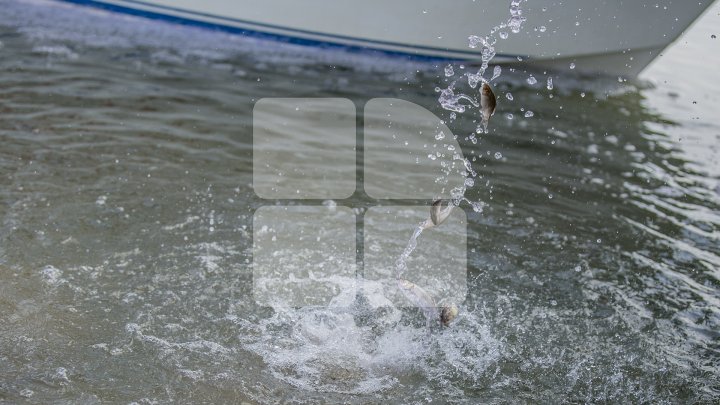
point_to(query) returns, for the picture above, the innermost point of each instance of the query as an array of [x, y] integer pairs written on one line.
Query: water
[[126, 217]]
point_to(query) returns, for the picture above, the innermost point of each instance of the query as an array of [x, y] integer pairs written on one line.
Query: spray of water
[[451, 101], [449, 98], [359, 344]]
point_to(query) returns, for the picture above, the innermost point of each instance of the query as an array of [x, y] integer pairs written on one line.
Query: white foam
[[52, 275]]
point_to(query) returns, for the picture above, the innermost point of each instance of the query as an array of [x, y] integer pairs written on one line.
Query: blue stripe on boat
[[258, 33]]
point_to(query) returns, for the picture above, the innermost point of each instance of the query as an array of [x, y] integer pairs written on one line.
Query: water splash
[[439, 213], [451, 101], [516, 18], [401, 263], [449, 98], [497, 71], [359, 350]]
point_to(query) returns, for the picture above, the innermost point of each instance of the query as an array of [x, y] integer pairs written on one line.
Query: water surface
[[126, 207]]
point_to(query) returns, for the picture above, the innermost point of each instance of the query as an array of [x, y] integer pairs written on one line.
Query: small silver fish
[[416, 294], [440, 211], [448, 313], [487, 104], [423, 300]]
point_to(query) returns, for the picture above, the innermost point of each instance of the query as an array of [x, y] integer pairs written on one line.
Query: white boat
[[618, 37]]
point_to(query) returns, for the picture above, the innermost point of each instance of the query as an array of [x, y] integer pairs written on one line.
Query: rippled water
[[126, 222]]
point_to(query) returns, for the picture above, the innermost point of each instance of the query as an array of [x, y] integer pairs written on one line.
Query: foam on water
[[359, 350]]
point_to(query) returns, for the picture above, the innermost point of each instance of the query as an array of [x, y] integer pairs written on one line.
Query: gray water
[[126, 211]]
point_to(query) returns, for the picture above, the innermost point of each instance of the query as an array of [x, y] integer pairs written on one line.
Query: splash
[[516, 18], [452, 100], [359, 344], [439, 213], [360, 350]]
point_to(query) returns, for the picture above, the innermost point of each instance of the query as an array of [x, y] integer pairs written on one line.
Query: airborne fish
[[487, 104], [423, 300], [439, 212], [448, 314]]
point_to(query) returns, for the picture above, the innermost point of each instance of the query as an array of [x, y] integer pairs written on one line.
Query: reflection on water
[[126, 223]]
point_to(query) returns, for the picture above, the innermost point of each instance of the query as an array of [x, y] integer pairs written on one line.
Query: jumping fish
[[439, 212], [448, 314], [423, 300], [487, 104]]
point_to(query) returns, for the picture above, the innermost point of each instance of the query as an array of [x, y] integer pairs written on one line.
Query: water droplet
[[582, 94], [474, 40], [516, 18], [432, 156], [469, 182], [509, 96], [572, 65], [549, 83], [713, 36], [509, 116], [449, 71], [531, 80], [542, 28], [440, 135], [529, 114], [498, 155], [503, 34], [497, 70], [599, 241]]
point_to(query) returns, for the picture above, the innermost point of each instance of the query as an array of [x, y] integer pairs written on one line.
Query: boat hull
[[607, 36]]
